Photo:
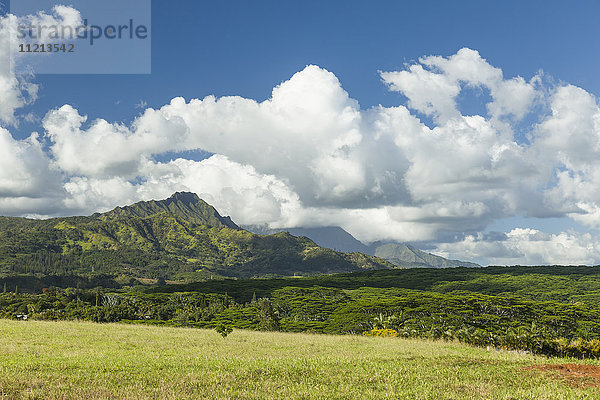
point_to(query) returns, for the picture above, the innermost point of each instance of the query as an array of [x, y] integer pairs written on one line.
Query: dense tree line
[[565, 284], [503, 321]]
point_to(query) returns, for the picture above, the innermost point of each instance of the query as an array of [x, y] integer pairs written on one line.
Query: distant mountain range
[[180, 238], [400, 254], [405, 255]]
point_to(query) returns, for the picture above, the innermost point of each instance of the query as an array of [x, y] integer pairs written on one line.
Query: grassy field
[[80, 360]]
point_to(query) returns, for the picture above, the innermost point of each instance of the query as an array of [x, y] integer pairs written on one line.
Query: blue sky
[[239, 48], [246, 48]]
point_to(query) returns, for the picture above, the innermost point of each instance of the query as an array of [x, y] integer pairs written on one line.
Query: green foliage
[[181, 238], [223, 329], [579, 348], [565, 284], [182, 204], [381, 332], [501, 321], [268, 316]]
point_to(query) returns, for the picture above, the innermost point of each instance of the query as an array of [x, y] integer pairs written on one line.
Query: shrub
[[381, 332], [223, 329]]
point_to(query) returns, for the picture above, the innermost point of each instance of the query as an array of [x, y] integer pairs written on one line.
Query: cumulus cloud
[[24, 167], [107, 149], [569, 140], [308, 133], [433, 84], [28, 183], [311, 156], [17, 89], [527, 247], [338, 159]]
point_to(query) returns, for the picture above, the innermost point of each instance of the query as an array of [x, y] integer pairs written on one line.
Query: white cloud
[[527, 246], [17, 89], [569, 141], [340, 163], [240, 191], [27, 181], [107, 149], [310, 156], [433, 85], [512, 97], [23, 166], [571, 134], [428, 92], [307, 133]]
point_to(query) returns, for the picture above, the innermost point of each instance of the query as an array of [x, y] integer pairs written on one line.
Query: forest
[[547, 310]]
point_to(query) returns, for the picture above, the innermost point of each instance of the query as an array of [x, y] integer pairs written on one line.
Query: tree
[[223, 329], [268, 317]]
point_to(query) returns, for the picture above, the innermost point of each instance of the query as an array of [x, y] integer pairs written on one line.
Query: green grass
[[80, 360]]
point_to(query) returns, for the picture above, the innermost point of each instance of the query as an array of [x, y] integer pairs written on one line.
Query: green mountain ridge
[[183, 204], [180, 238]]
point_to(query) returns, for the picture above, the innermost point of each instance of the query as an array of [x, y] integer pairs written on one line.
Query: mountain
[[400, 254], [182, 204], [407, 255], [332, 237], [181, 238]]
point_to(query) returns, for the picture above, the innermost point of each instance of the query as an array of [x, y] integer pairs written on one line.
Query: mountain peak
[[183, 204], [185, 197]]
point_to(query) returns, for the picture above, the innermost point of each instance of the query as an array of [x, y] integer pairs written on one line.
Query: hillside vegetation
[[181, 238]]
